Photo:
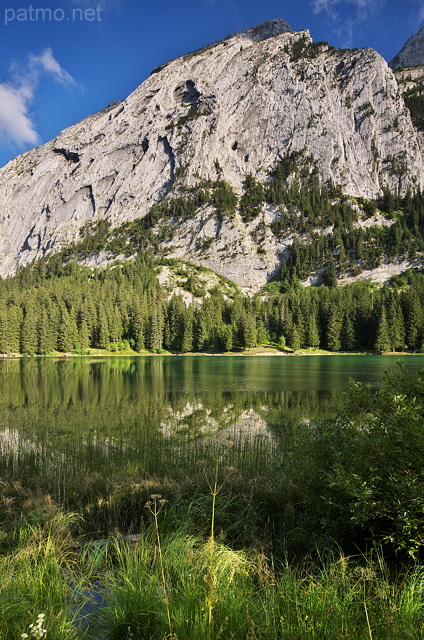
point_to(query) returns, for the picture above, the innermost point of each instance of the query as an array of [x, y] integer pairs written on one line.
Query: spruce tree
[[45, 341], [187, 337], [396, 326], [137, 325], [28, 340], [348, 332], [68, 334], [293, 337], [155, 333], [333, 334], [12, 329], [312, 334], [382, 342], [102, 328], [3, 330], [248, 330]]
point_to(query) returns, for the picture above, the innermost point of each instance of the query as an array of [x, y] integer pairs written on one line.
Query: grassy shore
[[262, 350], [216, 556], [322, 538], [174, 582]]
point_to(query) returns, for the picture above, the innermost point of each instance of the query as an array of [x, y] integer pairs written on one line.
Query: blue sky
[[61, 60]]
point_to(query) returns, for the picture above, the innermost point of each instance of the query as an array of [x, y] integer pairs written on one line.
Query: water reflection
[[117, 413]]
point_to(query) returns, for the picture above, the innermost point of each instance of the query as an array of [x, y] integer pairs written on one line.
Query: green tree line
[[124, 306]]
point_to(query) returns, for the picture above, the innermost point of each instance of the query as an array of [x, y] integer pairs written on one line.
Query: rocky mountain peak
[[176, 155], [258, 33], [262, 31], [411, 54]]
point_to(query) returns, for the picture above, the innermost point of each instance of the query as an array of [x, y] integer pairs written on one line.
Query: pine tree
[[187, 337], [137, 323], [262, 335], [348, 332], [252, 198], [382, 342], [248, 328], [330, 274], [83, 336], [68, 334], [226, 337], [3, 330], [28, 341], [312, 334], [156, 323], [300, 321], [13, 328], [413, 319], [201, 333], [396, 326], [333, 335], [174, 323], [293, 338], [45, 341], [102, 328], [115, 325]]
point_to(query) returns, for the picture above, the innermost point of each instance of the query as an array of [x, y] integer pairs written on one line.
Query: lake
[[75, 428]]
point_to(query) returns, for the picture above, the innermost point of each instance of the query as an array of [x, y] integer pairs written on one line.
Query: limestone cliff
[[232, 108], [411, 54]]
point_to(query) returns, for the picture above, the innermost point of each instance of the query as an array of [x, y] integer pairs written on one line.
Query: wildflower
[[36, 629], [230, 470]]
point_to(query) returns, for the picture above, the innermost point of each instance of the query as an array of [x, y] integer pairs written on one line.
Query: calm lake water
[[64, 422]]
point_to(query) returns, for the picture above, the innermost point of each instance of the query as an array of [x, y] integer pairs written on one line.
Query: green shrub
[[360, 477]]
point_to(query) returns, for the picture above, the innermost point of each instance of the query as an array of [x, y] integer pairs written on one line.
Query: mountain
[[408, 66], [411, 54], [225, 157]]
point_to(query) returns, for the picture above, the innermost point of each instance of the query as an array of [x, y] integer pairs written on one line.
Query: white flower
[[36, 629]]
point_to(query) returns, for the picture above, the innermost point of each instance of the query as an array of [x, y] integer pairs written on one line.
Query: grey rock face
[[262, 31], [257, 33], [411, 54], [241, 104]]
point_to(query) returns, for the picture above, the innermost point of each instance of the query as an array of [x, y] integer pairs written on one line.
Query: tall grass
[[209, 563], [160, 587], [343, 598], [34, 579], [110, 488]]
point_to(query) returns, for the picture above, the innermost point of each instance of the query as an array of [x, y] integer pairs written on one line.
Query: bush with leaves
[[360, 478]]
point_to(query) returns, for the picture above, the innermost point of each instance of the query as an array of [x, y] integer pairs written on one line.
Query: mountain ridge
[[257, 33], [235, 108], [411, 54]]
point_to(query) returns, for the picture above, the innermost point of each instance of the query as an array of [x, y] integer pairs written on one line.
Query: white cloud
[[347, 15], [46, 62], [15, 122], [329, 5], [421, 12], [16, 97], [323, 5]]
